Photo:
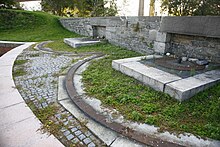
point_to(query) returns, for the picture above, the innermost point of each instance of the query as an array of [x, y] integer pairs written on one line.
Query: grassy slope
[[31, 26]]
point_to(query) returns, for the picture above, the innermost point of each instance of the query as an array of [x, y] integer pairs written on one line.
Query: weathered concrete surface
[[77, 42], [199, 26], [19, 127], [186, 88]]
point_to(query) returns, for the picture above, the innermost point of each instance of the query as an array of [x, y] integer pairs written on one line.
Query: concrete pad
[[8, 99], [62, 94], [14, 114], [106, 135], [123, 142], [5, 71], [77, 42], [186, 88], [150, 76], [29, 135], [7, 85]]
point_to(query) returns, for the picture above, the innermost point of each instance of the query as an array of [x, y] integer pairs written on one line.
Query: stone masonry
[[196, 37]]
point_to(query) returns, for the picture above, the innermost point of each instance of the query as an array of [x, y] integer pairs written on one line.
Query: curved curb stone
[[40, 46], [19, 126], [90, 112]]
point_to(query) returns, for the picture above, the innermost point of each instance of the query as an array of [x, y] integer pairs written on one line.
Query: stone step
[[77, 42], [186, 88]]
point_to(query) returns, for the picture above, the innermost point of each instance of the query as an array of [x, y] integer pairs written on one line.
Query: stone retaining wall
[[197, 37], [131, 32]]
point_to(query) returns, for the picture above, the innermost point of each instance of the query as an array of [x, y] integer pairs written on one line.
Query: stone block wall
[[195, 47], [79, 25], [197, 37], [130, 32]]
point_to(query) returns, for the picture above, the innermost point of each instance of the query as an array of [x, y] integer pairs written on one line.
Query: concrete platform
[[186, 88], [177, 87], [77, 42], [19, 126]]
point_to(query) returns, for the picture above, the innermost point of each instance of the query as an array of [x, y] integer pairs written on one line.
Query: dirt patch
[[4, 50]]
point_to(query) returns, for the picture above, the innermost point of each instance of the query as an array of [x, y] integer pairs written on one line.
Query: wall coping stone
[[208, 26]]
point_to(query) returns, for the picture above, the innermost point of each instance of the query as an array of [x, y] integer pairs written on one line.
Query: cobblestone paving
[[39, 87]]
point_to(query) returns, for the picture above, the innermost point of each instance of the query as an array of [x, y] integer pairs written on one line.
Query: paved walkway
[[38, 87], [19, 126]]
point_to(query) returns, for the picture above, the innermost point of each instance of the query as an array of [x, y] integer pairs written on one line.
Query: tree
[[97, 8], [84, 8], [57, 6], [208, 7], [141, 8], [8, 4], [191, 7]]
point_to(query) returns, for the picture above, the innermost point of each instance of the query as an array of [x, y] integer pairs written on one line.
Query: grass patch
[[20, 62], [19, 72], [18, 25], [46, 116]]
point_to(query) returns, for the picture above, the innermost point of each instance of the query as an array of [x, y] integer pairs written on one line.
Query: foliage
[[8, 4], [57, 7], [208, 7], [82, 8], [18, 25], [191, 7]]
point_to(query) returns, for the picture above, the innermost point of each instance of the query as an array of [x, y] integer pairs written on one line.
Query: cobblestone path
[[39, 89]]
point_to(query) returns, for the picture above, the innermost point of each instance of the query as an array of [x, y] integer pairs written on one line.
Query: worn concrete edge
[[40, 47], [14, 53]]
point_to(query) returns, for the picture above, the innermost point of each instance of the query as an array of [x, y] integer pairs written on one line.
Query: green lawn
[[200, 115], [17, 25]]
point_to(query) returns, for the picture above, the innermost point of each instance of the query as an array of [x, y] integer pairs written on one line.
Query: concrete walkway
[[19, 126]]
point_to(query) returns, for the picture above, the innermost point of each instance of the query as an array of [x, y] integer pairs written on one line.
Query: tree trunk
[[141, 8], [152, 8]]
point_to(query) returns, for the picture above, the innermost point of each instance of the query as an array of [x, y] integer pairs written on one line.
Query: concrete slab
[[150, 76], [7, 85], [10, 137], [186, 88], [8, 99], [14, 113], [5, 71], [77, 42]]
